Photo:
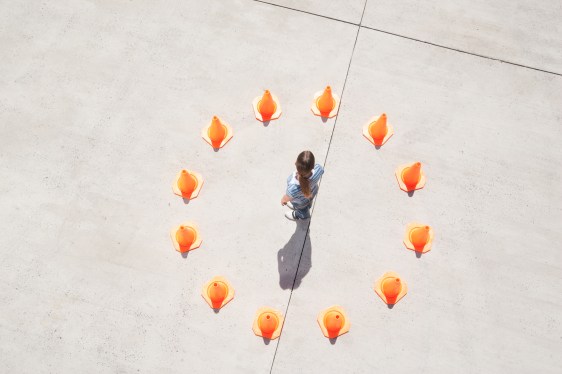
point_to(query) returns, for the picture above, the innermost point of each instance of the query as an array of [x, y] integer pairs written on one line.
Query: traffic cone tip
[[404, 172], [217, 300], [273, 108], [222, 133], [268, 323], [333, 322], [198, 184], [390, 288], [325, 104], [409, 242], [367, 133], [196, 243]]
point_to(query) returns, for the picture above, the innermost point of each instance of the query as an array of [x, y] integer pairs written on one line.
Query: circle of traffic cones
[[333, 322], [418, 237], [217, 292], [391, 288], [217, 134], [378, 131], [185, 237], [410, 177], [266, 107], [268, 323], [187, 184], [325, 104]]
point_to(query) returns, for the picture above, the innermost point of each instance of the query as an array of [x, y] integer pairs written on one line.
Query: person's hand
[[285, 199]]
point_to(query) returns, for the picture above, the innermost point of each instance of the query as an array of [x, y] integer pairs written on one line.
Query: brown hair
[[305, 164]]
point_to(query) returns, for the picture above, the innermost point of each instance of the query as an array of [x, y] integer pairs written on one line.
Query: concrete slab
[[101, 105], [487, 296], [524, 32], [344, 10]]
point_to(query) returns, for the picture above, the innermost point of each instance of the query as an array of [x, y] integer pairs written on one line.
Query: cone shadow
[[186, 200], [266, 123], [298, 248], [378, 146], [419, 254], [333, 340], [266, 341], [324, 119], [184, 254], [390, 306], [411, 193], [216, 149]]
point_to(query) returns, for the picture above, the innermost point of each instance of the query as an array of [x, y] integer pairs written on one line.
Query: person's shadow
[[294, 259]]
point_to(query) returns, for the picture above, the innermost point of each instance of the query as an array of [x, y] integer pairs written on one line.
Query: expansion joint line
[[461, 51], [311, 13], [360, 25], [325, 163]]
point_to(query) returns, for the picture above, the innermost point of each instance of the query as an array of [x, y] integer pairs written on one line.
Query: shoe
[[290, 205], [291, 216]]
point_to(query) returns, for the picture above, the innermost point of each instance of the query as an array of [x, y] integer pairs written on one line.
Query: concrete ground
[[102, 103]]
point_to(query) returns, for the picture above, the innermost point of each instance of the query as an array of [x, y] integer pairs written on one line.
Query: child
[[302, 186]]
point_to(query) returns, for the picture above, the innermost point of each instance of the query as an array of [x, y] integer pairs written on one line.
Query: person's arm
[[285, 199], [318, 171]]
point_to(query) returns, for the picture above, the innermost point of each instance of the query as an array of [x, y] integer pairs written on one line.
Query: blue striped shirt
[[294, 188]]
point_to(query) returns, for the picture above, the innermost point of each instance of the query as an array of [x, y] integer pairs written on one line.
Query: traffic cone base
[[316, 111], [378, 287], [274, 116], [205, 292], [403, 187], [256, 326], [344, 327], [366, 134], [408, 242], [195, 192], [229, 134], [196, 243]]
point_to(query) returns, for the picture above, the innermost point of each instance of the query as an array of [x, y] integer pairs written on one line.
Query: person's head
[[305, 164]]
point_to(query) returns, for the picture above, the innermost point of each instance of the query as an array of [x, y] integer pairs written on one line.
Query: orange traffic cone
[[266, 107], [217, 292], [217, 134], [418, 237], [268, 323], [188, 184], [410, 177], [325, 103], [377, 131], [391, 288], [185, 237], [333, 322]]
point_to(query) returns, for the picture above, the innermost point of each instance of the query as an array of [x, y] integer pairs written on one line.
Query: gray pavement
[[523, 32], [102, 103]]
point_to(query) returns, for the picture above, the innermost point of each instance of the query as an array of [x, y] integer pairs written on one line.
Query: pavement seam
[[306, 12], [461, 51], [319, 182], [410, 38]]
